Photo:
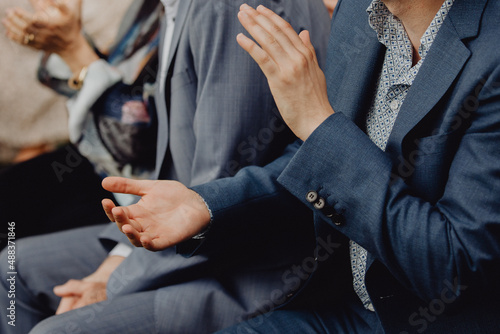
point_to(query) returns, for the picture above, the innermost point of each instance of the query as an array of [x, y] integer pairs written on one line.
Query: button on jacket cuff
[[338, 162]]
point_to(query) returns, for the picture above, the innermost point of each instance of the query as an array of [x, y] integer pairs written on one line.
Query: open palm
[[167, 213]]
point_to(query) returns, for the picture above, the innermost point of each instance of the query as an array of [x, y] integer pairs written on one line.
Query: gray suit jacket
[[220, 117]]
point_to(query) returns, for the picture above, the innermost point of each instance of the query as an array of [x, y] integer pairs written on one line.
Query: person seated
[[112, 120], [215, 115], [397, 161]]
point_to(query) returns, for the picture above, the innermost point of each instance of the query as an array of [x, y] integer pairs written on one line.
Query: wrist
[[78, 54], [203, 214], [105, 270], [205, 209], [306, 127]]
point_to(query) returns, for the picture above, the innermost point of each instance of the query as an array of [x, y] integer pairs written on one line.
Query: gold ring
[[28, 38]]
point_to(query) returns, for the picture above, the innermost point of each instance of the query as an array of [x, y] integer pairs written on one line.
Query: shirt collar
[[386, 25], [171, 7]]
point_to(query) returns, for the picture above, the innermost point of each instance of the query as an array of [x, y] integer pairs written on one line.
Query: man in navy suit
[[399, 161]]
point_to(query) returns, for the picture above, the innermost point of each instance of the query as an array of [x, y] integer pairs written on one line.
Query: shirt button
[[312, 196], [394, 105]]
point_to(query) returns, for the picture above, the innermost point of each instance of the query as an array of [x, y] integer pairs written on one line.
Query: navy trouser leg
[[342, 318]]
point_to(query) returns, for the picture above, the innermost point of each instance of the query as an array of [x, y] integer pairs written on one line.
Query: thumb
[[67, 6], [58, 4], [306, 39], [36, 4], [66, 304], [127, 186], [72, 287]]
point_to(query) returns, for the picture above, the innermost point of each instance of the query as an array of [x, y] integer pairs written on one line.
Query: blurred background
[[33, 119]]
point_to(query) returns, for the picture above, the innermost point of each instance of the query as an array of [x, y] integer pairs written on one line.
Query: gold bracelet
[[76, 81]]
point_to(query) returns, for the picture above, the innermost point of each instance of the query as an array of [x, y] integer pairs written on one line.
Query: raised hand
[[289, 62], [167, 213], [55, 27], [40, 4]]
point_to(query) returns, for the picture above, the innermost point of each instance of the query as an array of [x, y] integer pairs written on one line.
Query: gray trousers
[[149, 292]]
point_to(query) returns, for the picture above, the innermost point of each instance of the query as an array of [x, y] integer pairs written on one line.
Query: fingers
[[66, 304], [78, 293], [127, 225], [123, 219], [13, 32], [95, 295], [257, 54], [263, 54], [153, 245], [62, 5], [120, 215], [18, 24], [276, 26], [276, 37], [306, 40], [71, 287], [108, 205], [126, 186], [39, 4], [24, 16], [133, 235]]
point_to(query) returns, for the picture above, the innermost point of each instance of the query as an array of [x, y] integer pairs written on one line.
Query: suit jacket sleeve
[[424, 244], [252, 209]]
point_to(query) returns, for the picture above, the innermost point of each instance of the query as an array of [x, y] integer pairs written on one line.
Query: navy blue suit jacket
[[427, 210]]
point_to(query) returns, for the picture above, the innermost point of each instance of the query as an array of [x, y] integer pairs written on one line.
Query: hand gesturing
[[289, 62], [168, 212]]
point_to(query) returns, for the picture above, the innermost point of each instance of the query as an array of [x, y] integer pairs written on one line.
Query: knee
[[53, 325], [66, 323], [21, 259]]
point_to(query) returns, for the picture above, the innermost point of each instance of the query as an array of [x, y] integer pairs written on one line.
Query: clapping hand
[[167, 213], [289, 62], [54, 27]]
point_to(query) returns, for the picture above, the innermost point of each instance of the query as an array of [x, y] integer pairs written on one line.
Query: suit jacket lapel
[[444, 62], [352, 94], [162, 106], [180, 22]]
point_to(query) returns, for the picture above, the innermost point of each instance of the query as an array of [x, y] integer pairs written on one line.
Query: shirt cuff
[[203, 233], [121, 249]]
